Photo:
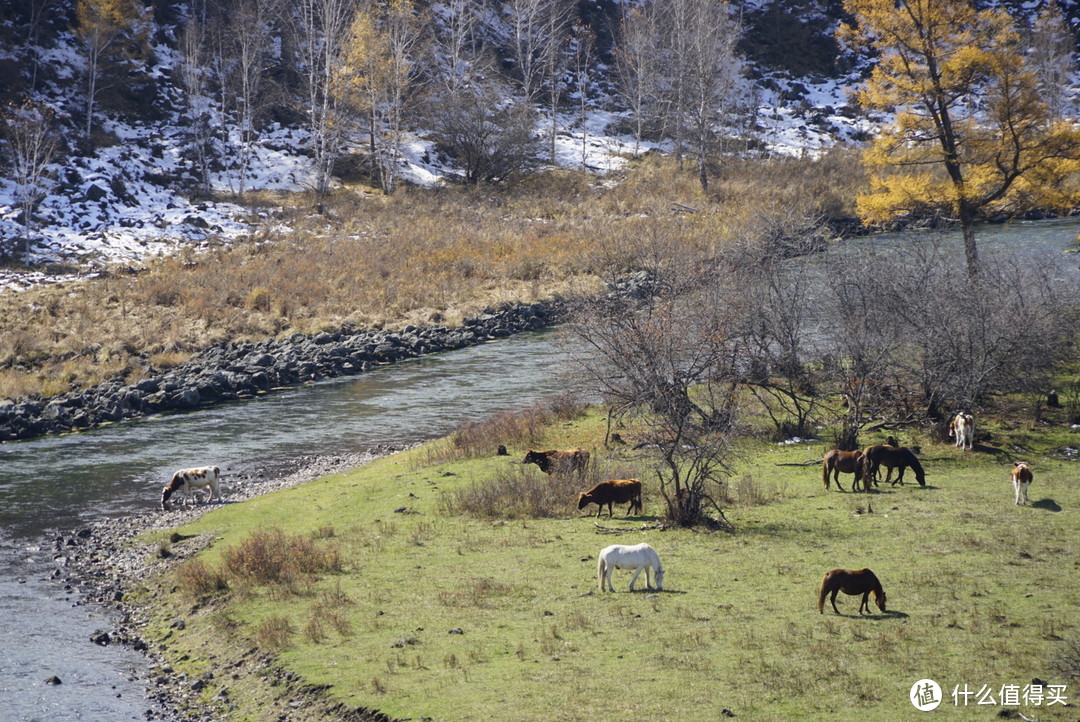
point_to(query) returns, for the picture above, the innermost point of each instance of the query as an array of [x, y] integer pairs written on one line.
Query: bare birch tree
[[637, 66], [194, 78], [249, 47], [711, 67], [30, 131], [320, 28]]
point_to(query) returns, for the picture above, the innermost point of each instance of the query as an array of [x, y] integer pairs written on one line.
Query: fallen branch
[[623, 530], [680, 208], [808, 462]]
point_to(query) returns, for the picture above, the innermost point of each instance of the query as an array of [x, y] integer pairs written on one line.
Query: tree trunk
[[967, 227]]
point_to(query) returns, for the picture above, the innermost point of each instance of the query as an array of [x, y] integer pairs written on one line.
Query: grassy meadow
[[401, 600]]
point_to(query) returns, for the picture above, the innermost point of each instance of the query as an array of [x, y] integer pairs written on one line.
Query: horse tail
[[825, 472], [601, 571], [824, 591]]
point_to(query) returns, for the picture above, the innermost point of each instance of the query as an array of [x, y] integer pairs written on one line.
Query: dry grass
[[420, 256], [525, 427], [271, 558]]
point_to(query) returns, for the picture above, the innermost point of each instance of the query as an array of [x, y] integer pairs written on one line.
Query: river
[[61, 483], [56, 484]]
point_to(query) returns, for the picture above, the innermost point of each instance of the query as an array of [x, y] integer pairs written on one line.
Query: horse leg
[[833, 599], [634, 578], [865, 603], [836, 478]]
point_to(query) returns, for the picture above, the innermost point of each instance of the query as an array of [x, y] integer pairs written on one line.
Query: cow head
[[583, 500]]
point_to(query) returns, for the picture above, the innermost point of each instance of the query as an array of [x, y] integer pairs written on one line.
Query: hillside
[[145, 179]]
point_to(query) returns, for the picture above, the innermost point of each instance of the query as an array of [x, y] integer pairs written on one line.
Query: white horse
[[963, 428], [1021, 478], [636, 557]]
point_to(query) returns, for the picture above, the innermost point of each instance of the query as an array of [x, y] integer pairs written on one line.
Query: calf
[[190, 480], [616, 491], [962, 428], [558, 460], [1021, 479]]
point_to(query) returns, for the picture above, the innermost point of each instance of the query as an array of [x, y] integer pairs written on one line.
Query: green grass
[[980, 592]]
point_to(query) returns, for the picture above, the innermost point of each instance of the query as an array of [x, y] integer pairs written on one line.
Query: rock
[[53, 680], [101, 637]]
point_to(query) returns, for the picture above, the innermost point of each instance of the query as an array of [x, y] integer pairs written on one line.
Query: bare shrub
[[672, 366], [274, 633], [197, 579], [525, 427], [516, 493], [1068, 660], [269, 557]]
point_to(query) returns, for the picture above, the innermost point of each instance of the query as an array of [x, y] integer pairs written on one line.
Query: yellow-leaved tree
[[971, 134], [376, 75]]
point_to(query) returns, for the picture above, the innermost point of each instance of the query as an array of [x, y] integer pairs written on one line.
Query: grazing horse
[[190, 480], [962, 427], [636, 557], [1021, 479], [891, 458], [558, 461], [837, 461], [851, 582]]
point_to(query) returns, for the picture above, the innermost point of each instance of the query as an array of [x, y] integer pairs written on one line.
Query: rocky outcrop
[[242, 370]]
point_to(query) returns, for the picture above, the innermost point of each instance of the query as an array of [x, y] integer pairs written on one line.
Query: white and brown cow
[[191, 480], [962, 428], [1021, 479]]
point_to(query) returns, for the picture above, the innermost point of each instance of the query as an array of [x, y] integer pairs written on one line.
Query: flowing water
[[60, 483], [55, 484]]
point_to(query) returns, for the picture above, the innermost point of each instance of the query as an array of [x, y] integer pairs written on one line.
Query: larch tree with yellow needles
[[971, 134]]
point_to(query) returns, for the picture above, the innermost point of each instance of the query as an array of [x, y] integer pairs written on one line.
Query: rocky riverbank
[[105, 562], [242, 370]]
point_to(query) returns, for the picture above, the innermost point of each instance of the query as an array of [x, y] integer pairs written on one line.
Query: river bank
[[106, 564]]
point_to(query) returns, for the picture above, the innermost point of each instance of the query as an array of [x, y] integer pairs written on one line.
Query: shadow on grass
[[1047, 504], [882, 615]]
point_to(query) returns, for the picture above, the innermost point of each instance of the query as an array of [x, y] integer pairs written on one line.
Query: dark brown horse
[[837, 461], [851, 582], [891, 457]]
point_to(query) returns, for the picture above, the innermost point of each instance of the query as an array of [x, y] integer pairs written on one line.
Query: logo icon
[[925, 695]]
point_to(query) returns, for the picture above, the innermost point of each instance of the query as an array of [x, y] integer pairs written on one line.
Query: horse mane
[[914, 462]]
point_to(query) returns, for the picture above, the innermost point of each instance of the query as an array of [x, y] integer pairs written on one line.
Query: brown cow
[[1021, 478], [558, 460], [616, 491]]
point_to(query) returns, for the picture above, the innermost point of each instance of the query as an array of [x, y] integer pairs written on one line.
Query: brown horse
[[891, 457], [837, 461], [851, 582]]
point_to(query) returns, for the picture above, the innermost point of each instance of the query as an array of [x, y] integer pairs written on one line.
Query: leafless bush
[[269, 557], [1005, 330], [274, 633], [198, 580], [671, 366], [516, 493], [525, 427], [1068, 660]]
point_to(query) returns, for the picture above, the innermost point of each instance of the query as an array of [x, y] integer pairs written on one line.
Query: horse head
[[879, 597]]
